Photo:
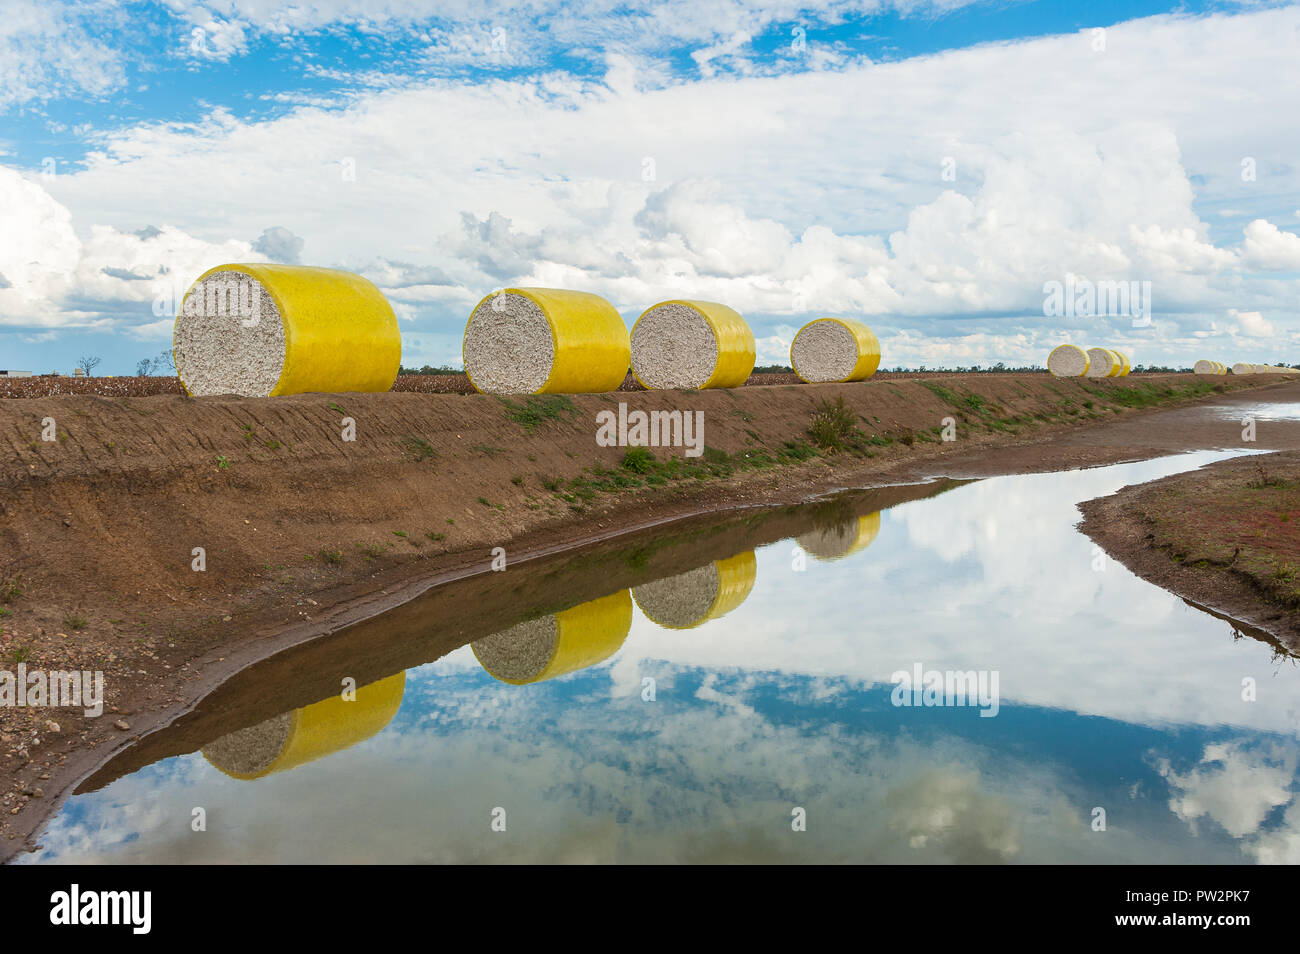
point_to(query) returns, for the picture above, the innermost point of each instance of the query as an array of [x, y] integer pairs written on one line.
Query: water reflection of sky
[[1114, 694], [1260, 411]]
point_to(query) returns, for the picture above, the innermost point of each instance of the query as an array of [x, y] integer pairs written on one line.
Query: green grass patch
[[833, 426], [639, 460], [417, 448], [539, 408]]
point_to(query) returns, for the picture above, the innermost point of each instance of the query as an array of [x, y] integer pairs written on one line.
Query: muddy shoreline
[[205, 638], [1181, 534]]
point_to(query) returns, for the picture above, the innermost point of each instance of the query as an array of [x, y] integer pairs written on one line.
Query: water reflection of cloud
[[709, 772], [941, 586], [1235, 784]]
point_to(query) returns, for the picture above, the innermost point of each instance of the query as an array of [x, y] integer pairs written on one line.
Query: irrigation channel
[[765, 694]]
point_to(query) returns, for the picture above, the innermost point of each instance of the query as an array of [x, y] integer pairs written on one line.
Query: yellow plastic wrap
[[1116, 364], [736, 577], [736, 348], [868, 349], [592, 347], [585, 635], [340, 333], [332, 725], [1125, 367]]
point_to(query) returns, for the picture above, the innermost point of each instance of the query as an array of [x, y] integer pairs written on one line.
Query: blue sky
[[924, 166]]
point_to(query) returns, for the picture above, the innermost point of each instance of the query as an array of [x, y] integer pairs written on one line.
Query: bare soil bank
[[303, 531], [1226, 537]]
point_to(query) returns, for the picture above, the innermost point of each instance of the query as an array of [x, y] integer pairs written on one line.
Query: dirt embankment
[[1226, 537], [165, 541]]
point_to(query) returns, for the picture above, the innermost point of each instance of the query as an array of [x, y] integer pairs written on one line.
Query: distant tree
[[164, 362], [144, 367], [87, 363], [429, 369]]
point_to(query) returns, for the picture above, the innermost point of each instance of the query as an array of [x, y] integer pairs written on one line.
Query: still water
[[1260, 411], [733, 680]]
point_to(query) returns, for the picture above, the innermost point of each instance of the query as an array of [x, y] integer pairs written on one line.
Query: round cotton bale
[[1205, 367], [312, 732], [1068, 361], [1102, 363], [545, 341], [561, 643], [691, 344], [268, 330], [837, 542], [1124, 366], [1241, 367], [692, 598], [834, 350]]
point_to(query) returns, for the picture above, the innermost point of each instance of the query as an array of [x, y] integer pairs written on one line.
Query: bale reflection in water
[[842, 539], [692, 598], [312, 732], [560, 643]]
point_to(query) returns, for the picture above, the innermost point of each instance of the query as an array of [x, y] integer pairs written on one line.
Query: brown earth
[[1226, 536], [304, 532]]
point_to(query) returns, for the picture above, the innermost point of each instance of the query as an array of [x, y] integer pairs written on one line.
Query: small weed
[[332, 557], [10, 590], [484, 501], [639, 460], [833, 426], [20, 654], [436, 537], [417, 448], [75, 622], [517, 480], [222, 463], [1264, 479]]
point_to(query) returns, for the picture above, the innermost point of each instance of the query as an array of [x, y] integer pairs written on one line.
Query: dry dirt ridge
[[314, 511]]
